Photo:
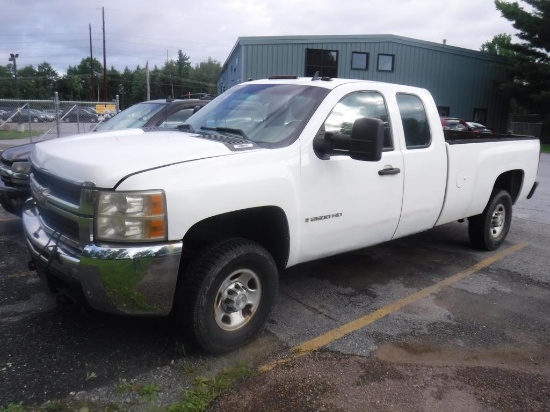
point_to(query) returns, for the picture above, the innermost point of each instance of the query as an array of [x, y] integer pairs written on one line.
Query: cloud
[[136, 32]]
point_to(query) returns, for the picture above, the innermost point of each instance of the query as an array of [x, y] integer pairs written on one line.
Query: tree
[[27, 77], [183, 64], [501, 45], [46, 82], [530, 58], [7, 82], [79, 80], [176, 78], [204, 76]]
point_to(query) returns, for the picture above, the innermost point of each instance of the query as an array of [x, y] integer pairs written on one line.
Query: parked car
[[52, 113], [454, 123], [25, 115], [48, 115], [479, 128], [81, 114], [14, 163]]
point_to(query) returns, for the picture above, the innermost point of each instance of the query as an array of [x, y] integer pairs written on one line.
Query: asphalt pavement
[[424, 323]]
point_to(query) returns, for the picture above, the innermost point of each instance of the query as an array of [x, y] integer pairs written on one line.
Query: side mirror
[[365, 142]]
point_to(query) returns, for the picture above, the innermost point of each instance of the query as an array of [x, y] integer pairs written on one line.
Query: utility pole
[[92, 94], [105, 96]]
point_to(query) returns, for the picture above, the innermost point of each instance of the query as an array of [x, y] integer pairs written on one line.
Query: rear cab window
[[416, 127]]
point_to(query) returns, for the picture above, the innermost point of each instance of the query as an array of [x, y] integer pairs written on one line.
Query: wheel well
[[266, 225], [511, 181]]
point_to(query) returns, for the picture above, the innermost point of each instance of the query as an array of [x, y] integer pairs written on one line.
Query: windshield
[[135, 116], [268, 114]]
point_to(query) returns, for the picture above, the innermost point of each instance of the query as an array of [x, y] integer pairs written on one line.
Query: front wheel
[[226, 296], [488, 230]]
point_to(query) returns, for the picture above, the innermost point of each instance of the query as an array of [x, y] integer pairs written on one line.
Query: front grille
[[64, 207], [60, 224], [62, 189], [5, 163], [5, 171]]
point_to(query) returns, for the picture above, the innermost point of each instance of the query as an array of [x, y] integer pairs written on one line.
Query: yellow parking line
[[363, 321], [18, 275]]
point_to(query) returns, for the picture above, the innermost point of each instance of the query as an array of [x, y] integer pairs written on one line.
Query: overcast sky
[[56, 31]]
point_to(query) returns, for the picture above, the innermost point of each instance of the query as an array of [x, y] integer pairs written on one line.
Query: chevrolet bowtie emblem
[[42, 196]]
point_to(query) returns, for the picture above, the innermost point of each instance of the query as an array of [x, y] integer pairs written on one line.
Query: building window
[[323, 61], [415, 121], [359, 61], [480, 116], [444, 111], [386, 62]]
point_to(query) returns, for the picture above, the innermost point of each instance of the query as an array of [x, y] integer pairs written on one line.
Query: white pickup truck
[[276, 172]]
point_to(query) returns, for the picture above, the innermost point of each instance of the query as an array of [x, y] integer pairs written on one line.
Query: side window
[[415, 121], [177, 118], [355, 106]]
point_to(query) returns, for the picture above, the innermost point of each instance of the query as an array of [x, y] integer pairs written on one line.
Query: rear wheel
[[225, 297], [488, 230]]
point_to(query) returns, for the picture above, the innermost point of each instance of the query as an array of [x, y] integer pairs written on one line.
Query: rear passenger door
[[424, 163]]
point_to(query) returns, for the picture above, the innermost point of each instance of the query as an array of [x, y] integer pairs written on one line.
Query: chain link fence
[[529, 129], [35, 120]]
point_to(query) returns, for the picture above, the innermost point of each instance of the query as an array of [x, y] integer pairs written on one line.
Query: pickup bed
[[198, 221]]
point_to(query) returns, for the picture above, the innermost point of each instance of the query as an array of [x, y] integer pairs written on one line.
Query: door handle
[[389, 171]]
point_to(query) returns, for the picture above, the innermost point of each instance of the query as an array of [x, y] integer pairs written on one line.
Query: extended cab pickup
[[272, 173]]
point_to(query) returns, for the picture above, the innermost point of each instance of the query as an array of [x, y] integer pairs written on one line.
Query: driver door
[[348, 204]]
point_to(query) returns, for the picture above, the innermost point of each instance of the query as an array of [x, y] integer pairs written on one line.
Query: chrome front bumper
[[138, 280]]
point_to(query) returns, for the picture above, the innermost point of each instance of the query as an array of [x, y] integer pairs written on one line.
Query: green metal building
[[462, 81]]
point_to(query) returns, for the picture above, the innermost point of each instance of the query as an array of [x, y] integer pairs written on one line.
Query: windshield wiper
[[185, 127], [240, 132]]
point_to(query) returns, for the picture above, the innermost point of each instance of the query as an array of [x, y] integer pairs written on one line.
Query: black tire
[[225, 297], [35, 119], [488, 230]]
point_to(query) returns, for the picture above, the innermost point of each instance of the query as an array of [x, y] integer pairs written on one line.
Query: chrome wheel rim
[[237, 299], [498, 220]]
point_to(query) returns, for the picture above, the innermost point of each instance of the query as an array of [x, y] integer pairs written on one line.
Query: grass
[[206, 390], [545, 148], [196, 399], [15, 134], [148, 391]]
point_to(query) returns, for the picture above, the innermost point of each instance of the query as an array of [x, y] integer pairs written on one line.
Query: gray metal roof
[[363, 38]]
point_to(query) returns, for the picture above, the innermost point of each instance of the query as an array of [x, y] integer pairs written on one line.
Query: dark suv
[[167, 113], [14, 162]]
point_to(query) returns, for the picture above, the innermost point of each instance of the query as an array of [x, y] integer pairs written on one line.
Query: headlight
[[21, 167], [131, 216]]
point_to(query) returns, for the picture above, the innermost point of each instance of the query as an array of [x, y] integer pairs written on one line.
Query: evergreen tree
[[530, 58]]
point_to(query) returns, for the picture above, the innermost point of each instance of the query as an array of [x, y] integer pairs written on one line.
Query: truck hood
[[106, 158]]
